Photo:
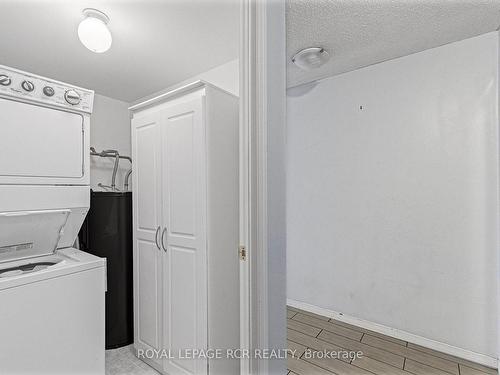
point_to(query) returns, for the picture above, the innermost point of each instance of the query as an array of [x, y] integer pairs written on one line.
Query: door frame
[[262, 38], [262, 182]]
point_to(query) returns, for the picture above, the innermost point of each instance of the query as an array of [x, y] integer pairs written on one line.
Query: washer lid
[[28, 234]]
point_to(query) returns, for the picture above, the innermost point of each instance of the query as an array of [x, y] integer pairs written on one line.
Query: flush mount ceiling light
[[93, 31], [310, 58]]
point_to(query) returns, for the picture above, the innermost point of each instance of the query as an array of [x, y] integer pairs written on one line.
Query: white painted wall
[[109, 129], [225, 76], [392, 208]]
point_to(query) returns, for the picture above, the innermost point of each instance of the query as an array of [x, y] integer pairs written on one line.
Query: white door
[[184, 213], [147, 227]]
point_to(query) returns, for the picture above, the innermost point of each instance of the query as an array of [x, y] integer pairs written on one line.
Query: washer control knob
[[28, 86], [5, 80], [72, 97], [48, 91]]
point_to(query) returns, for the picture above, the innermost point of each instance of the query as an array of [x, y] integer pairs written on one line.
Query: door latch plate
[[242, 251]]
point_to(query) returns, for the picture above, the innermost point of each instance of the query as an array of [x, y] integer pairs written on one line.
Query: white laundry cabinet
[[185, 204]]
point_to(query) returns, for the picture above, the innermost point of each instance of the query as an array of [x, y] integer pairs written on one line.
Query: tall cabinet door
[[184, 217], [148, 255]]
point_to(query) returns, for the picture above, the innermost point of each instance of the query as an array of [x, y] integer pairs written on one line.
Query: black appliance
[[107, 233]]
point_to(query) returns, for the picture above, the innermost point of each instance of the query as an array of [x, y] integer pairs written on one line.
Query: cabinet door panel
[[183, 286], [184, 212], [147, 219], [181, 174], [148, 282]]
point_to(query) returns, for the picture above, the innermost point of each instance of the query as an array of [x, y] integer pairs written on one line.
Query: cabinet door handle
[[162, 243], [156, 237]]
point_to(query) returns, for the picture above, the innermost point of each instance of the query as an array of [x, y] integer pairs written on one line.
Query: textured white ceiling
[[156, 43], [359, 33]]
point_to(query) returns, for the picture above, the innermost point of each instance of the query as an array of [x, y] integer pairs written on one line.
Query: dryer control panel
[[29, 87]]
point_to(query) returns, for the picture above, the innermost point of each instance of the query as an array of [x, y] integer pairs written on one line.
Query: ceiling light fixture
[[93, 31], [310, 58]]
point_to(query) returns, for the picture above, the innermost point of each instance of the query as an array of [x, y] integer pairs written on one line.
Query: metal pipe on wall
[[116, 155]]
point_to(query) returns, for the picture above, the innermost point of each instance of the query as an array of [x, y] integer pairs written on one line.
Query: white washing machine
[[51, 294]]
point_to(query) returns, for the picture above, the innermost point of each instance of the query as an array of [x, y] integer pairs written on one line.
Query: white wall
[[225, 76], [109, 129], [392, 208]]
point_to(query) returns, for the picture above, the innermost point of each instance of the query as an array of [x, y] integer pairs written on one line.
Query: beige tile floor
[[383, 355], [122, 361]]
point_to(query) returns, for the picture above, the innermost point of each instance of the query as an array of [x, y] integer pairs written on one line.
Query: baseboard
[[399, 334]]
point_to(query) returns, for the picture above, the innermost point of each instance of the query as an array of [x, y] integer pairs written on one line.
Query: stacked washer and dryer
[[51, 295]]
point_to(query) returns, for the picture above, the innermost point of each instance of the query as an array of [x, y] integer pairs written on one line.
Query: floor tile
[[418, 368], [419, 356], [436, 362], [122, 361], [372, 333], [308, 313], [336, 366], [377, 367], [329, 326], [304, 328], [461, 361], [314, 343], [466, 370], [383, 344], [301, 367], [369, 351], [295, 349]]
